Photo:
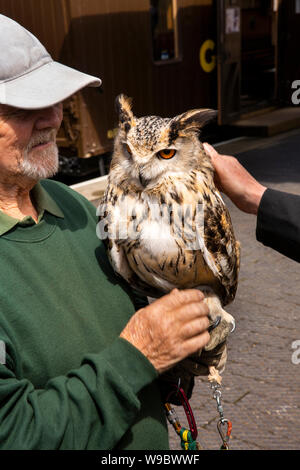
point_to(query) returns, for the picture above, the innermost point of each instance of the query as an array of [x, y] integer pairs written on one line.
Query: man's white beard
[[40, 163]]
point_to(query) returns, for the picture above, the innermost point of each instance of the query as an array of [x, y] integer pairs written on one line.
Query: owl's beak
[[143, 180]]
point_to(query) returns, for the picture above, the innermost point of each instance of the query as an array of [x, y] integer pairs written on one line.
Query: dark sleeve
[[278, 222]]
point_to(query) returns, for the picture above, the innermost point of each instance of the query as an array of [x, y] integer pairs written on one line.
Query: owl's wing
[[223, 251], [109, 230]]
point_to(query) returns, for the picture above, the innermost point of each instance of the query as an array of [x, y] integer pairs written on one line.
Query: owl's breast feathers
[[178, 234]]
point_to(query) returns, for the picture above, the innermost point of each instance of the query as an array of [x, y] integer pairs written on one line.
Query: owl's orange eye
[[166, 153], [128, 149]]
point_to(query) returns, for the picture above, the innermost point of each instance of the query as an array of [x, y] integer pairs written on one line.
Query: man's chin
[[45, 164]]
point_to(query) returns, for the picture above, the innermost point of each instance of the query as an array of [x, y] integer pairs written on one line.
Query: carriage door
[[229, 59]]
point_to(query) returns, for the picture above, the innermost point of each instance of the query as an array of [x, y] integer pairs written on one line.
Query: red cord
[[187, 408]]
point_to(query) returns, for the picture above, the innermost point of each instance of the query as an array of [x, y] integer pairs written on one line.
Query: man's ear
[[123, 107], [192, 121]]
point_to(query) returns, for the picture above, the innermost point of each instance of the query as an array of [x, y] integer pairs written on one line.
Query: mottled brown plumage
[[177, 231]]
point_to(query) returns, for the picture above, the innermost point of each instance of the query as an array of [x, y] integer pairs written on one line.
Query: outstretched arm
[[278, 221]]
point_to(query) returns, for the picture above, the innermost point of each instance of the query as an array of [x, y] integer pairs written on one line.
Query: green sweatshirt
[[69, 381]]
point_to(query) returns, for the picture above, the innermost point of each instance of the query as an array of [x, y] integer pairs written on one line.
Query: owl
[[164, 222]]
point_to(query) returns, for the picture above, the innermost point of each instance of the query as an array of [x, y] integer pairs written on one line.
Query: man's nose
[[49, 117]]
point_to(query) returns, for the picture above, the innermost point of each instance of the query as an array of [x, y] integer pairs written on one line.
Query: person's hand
[[234, 180], [170, 329]]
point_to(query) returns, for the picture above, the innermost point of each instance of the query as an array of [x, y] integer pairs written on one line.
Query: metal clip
[[172, 417], [225, 438], [217, 395]]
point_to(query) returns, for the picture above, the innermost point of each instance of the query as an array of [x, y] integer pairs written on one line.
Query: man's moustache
[[42, 138]]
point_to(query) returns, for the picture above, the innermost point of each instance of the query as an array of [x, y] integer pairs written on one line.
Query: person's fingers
[[191, 311], [214, 155], [178, 297], [196, 343], [210, 150], [188, 295], [194, 327]]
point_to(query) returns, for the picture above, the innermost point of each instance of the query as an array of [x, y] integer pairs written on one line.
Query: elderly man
[[80, 368]]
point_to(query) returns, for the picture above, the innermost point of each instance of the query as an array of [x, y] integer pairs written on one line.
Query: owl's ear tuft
[[123, 107], [193, 120]]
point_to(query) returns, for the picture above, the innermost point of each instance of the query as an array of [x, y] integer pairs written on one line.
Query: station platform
[[92, 189], [270, 123]]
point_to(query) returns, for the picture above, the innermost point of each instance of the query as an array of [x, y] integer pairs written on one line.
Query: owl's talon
[[215, 324], [219, 333]]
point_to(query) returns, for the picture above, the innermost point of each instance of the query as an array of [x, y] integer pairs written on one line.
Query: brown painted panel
[[46, 19], [229, 59], [184, 84]]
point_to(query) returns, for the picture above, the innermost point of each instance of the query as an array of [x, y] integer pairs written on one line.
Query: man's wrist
[[255, 198]]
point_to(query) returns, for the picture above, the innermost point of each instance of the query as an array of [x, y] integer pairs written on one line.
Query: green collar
[[43, 202]]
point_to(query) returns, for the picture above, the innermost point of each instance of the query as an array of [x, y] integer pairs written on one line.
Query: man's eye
[[23, 113]]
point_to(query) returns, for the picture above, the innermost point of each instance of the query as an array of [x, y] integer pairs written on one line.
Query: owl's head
[[148, 148]]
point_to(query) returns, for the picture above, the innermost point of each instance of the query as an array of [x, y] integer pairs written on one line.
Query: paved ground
[[261, 384]]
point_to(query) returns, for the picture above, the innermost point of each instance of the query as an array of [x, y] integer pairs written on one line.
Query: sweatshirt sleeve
[[278, 222], [98, 402]]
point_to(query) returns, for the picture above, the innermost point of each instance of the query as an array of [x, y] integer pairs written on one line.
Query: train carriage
[[237, 56]]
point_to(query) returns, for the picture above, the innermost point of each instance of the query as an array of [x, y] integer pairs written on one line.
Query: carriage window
[[164, 29]]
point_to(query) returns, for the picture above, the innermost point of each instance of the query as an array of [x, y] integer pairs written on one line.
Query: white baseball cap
[[29, 77]]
